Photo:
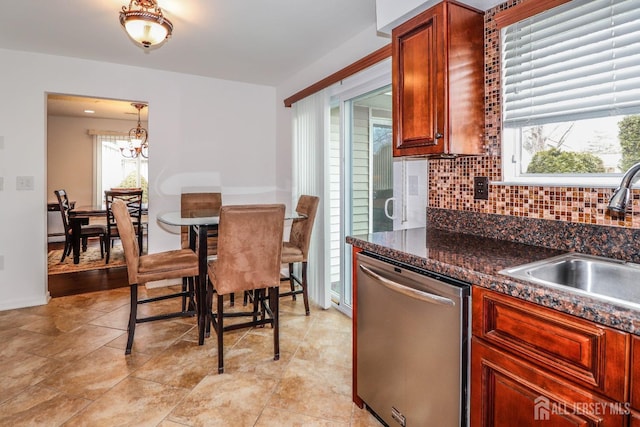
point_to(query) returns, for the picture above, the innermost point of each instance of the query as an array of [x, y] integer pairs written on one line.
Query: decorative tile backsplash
[[451, 180]]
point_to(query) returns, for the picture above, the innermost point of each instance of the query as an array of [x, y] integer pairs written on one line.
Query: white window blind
[[580, 60]]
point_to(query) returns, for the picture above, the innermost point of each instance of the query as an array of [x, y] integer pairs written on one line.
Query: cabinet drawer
[[591, 355], [507, 392]]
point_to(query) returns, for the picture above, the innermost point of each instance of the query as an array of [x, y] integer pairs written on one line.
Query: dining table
[[200, 223], [81, 215]]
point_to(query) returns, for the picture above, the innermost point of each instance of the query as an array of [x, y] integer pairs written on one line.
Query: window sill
[[591, 182]]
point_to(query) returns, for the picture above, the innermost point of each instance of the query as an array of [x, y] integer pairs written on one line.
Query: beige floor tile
[[273, 417], [322, 391], [96, 373], [40, 406], [78, 343], [17, 341], [64, 364], [184, 364], [229, 399], [132, 402], [153, 337]]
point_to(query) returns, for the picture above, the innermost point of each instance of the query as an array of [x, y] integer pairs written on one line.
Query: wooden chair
[[296, 250], [133, 199], [86, 230], [249, 252], [166, 265]]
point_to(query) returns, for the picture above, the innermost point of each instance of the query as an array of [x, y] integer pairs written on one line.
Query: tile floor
[[64, 364]]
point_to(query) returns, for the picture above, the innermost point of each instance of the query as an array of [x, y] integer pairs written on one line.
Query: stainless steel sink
[[586, 274]]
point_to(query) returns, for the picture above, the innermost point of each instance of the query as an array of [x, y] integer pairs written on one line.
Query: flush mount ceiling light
[[137, 145], [145, 25]]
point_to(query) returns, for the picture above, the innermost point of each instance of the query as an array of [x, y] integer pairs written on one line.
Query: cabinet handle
[[439, 135]]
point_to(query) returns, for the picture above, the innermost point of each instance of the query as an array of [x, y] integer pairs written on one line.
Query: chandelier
[[146, 25], [138, 144]]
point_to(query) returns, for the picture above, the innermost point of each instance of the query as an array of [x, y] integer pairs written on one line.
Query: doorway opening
[[84, 136]]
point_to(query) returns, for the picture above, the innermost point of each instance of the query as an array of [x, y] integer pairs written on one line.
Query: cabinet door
[[506, 392], [418, 84], [635, 373], [592, 356]]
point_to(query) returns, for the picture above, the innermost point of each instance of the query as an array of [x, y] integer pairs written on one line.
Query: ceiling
[[255, 41]]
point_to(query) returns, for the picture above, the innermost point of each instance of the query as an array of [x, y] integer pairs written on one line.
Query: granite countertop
[[477, 260]]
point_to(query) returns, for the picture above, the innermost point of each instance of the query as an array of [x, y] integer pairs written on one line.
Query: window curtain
[[310, 151]]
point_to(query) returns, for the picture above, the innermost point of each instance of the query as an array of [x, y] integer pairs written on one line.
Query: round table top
[[206, 217]]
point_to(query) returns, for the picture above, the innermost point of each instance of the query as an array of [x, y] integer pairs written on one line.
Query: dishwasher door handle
[[410, 292]]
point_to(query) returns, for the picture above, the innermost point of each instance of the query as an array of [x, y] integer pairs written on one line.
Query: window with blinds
[[571, 90]]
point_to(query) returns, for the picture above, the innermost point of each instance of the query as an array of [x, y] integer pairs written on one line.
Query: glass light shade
[[147, 33], [146, 25]]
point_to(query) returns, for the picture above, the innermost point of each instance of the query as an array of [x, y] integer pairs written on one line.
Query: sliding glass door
[[361, 177]]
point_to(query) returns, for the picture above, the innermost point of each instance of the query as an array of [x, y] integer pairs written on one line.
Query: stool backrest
[[249, 247]]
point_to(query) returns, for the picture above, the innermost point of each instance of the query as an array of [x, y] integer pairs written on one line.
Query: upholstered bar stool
[[142, 269], [199, 202], [296, 249], [248, 260], [204, 203]]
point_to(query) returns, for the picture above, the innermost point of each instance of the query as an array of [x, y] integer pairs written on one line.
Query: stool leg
[[291, 281], [220, 331], [132, 317], [305, 294], [274, 301]]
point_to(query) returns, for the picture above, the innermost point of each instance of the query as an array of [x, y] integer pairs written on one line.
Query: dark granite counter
[[477, 260]]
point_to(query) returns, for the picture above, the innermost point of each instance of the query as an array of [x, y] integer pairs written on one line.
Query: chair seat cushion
[[167, 265], [291, 253], [93, 229]]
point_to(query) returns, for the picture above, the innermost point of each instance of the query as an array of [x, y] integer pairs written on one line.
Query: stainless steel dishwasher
[[413, 334]]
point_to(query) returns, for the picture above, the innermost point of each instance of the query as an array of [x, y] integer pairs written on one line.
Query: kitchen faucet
[[620, 196]]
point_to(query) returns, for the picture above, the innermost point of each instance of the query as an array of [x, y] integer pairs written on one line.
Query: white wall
[[205, 132], [70, 155]]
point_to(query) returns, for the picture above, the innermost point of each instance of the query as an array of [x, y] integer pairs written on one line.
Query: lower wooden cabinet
[[534, 366], [507, 392]]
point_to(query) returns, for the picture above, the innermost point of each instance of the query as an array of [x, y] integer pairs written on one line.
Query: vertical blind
[[310, 149], [577, 61]]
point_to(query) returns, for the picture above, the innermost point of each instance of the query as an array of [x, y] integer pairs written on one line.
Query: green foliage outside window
[[131, 182], [629, 136], [554, 160]]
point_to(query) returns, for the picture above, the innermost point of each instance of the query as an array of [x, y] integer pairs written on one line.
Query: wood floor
[[61, 285]]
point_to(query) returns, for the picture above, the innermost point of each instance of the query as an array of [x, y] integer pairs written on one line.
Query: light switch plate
[[1, 262], [413, 185], [24, 183], [1, 183]]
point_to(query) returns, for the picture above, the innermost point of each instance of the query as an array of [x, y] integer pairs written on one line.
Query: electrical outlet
[[24, 183], [481, 188]]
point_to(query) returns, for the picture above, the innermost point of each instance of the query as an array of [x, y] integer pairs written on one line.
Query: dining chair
[[199, 202], [86, 231], [296, 249], [133, 199], [141, 269], [248, 259]]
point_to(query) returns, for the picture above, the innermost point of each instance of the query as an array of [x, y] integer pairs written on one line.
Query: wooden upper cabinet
[[438, 82]]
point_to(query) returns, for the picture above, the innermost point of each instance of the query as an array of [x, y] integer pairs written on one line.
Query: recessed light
[[89, 111]]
